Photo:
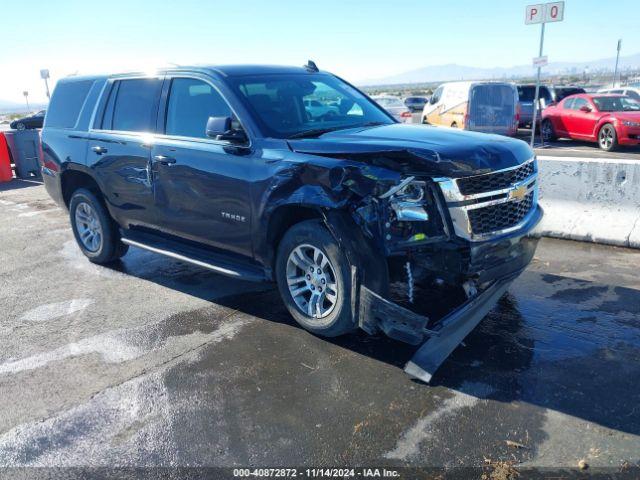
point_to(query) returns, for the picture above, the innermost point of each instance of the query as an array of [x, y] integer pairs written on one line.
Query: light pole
[[26, 98], [44, 74], [615, 72]]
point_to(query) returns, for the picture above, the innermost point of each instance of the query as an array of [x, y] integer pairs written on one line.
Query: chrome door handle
[[99, 150], [164, 160]]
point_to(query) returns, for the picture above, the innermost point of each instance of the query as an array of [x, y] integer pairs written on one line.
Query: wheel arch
[[282, 219], [602, 122], [72, 179]]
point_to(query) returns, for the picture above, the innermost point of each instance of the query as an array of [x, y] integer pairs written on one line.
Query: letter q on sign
[[554, 12]]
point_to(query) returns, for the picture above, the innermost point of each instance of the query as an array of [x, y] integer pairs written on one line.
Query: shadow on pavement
[[17, 183], [555, 342]]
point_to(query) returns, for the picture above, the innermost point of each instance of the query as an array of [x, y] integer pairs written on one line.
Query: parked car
[[633, 92], [395, 107], [415, 104], [219, 166], [547, 94], [559, 93], [526, 98], [32, 121], [610, 120], [316, 108], [489, 107]]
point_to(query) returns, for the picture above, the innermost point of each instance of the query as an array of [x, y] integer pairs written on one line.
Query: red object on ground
[[5, 160]]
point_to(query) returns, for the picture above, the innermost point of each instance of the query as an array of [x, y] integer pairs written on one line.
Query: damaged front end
[[434, 255]]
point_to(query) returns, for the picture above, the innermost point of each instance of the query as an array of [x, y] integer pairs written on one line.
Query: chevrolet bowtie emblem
[[518, 194]]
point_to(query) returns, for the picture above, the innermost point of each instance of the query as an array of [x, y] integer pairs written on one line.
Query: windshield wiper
[[316, 132], [372, 124]]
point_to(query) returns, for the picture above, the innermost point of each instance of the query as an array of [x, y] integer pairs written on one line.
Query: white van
[[489, 107]]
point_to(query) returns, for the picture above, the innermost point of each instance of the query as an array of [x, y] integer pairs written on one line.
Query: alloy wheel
[[312, 281], [88, 226], [606, 137]]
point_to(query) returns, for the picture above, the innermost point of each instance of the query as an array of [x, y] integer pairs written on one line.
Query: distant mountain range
[[439, 73], [7, 106]]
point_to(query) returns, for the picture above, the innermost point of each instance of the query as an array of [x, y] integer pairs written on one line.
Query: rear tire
[[95, 231], [608, 138], [548, 133], [309, 245]]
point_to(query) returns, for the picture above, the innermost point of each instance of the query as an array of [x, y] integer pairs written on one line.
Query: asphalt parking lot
[[155, 362]]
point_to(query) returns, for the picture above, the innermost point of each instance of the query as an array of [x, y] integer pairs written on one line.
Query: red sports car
[[610, 120]]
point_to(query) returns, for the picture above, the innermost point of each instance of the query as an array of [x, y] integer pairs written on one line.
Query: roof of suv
[[225, 70]]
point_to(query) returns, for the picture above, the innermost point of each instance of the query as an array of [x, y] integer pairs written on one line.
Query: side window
[[568, 104], [191, 103], [633, 94], [578, 103], [435, 98], [66, 103], [135, 104]]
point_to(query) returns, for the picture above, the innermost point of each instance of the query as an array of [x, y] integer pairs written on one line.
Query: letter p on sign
[[534, 14]]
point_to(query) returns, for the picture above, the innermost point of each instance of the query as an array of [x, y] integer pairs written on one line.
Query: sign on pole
[[534, 14], [554, 12], [541, 13], [44, 74], [544, 13], [540, 61]]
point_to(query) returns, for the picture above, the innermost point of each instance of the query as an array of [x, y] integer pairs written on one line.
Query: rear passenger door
[[202, 185], [119, 149]]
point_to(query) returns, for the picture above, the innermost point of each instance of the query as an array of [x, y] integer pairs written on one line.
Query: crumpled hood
[[420, 149]]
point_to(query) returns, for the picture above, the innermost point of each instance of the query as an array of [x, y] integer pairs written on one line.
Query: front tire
[[95, 231], [20, 126], [314, 279], [608, 138]]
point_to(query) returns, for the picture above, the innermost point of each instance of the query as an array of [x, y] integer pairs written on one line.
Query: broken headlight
[[407, 200]]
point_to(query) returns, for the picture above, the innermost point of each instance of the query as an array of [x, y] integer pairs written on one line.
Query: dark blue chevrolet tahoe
[[294, 175]]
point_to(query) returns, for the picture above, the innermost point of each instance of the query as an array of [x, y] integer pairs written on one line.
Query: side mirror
[[585, 108], [221, 128]]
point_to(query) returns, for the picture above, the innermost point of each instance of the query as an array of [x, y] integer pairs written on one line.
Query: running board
[[199, 259]]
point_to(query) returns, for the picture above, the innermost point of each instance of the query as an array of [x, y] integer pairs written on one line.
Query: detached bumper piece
[[402, 324]]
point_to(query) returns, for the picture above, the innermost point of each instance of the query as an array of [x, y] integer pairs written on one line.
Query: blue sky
[[356, 39]]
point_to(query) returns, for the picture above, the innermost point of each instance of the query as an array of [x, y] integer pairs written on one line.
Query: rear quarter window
[[66, 103], [136, 104]]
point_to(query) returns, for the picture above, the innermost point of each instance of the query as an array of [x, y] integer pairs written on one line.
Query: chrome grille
[[485, 206], [495, 181], [500, 216]]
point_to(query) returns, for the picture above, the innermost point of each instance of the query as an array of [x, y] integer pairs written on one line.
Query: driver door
[[583, 123]]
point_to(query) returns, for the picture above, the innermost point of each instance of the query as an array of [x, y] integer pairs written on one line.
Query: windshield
[[291, 104], [389, 102], [616, 104]]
